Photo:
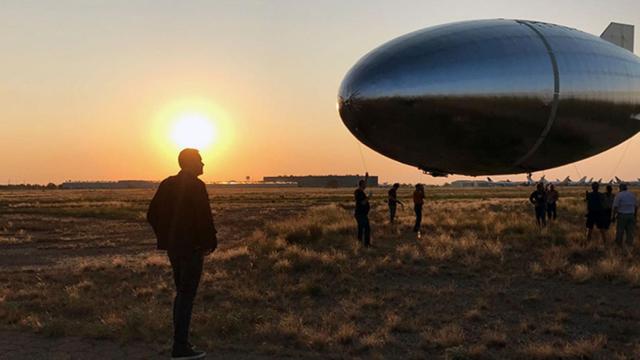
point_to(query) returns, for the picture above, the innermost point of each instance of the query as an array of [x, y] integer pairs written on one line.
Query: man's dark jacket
[[180, 215]]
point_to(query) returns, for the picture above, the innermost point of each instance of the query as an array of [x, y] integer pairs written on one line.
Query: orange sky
[[86, 87]]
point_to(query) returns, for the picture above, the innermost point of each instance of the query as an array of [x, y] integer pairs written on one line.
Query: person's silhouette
[[362, 212], [539, 200], [418, 202], [180, 215], [393, 202]]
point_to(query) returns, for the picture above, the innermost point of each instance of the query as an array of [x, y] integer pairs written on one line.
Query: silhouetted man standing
[[362, 212], [625, 210], [181, 218], [595, 213], [393, 202], [418, 202], [607, 203], [539, 200], [552, 201]]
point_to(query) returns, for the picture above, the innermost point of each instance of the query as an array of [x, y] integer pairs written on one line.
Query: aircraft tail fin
[[619, 34]]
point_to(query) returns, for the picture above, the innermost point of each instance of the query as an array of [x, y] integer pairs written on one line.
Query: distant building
[[251, 184], [328, 181], [469, 183]]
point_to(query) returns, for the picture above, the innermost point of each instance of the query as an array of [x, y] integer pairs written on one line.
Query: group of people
[[544, 201], [602, 210], [605, 208], [362, 208]]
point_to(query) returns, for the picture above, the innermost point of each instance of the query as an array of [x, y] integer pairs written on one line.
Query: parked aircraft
[[564, 182], [508, 182], [581, 182], [557, 182], [630, 183]]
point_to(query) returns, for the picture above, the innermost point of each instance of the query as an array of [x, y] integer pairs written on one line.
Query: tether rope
[[364, 164], [577, 171], [624, 153]]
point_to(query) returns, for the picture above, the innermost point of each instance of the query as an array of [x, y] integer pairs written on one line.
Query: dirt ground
[[80, 278], [58, 230]]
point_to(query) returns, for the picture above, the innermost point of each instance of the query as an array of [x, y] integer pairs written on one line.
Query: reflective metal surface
[[493, 97]]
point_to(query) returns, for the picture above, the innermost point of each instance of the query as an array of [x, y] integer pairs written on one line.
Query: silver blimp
[[494, 96]]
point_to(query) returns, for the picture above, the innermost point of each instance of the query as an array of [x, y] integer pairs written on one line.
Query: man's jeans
[[418, 210], [186, 275], [626, 223], [392, 212], [364, 229]]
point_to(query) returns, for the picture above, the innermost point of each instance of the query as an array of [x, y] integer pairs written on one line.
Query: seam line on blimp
[[556, 94]]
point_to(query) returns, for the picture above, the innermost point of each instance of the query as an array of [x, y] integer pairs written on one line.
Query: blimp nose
[[445, 104], [347, 104], [356, 99]]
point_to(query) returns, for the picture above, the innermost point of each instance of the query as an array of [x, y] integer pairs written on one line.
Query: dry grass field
[[289, 280]]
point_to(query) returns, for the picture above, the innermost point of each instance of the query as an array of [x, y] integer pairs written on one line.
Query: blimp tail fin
[[619, 34]]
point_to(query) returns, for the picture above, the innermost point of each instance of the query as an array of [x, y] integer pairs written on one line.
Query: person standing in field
[[625, 210], [607, 206], [539, 200], [362, 212], [180, 215], [552, 199], [595, 212], [418, 202], [393, 202]]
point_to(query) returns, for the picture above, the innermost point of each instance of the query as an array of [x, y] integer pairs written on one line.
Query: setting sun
[[194, 131], [191, 122]]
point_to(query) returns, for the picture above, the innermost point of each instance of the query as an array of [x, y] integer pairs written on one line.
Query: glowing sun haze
[[192, 123], [193, 130]]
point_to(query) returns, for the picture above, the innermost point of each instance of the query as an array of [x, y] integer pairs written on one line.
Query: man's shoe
[[187, 353]]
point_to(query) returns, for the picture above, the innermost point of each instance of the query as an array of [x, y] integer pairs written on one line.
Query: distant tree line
[[49, 186]]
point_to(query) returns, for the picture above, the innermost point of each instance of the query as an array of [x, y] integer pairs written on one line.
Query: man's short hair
[[188, 156], [361, 182], [595, 185], [623, 187]]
